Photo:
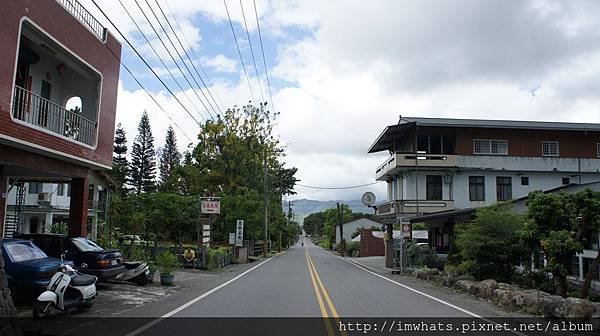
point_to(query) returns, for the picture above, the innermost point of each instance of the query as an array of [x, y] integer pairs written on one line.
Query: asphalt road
[[304, 286]]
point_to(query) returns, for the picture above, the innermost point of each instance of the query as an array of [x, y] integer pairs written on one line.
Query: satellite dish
[[368, 198]]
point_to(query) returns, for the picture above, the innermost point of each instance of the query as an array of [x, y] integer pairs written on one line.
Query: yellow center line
[[328, 326]]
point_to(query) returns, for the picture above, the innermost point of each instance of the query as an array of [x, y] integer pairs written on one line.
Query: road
[[304, 282], [303, 291]]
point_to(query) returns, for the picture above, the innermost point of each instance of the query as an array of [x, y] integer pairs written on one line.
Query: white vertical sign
[[239, 233]]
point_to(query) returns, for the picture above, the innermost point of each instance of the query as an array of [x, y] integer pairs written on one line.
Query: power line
[[157, 55], [338, 188], [146, 63], [148, 93], [262, 49], [239, 51], [252, 51], [185, 52], [195, 56], [168, 51]]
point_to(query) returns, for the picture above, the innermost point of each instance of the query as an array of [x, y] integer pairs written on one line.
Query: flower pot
[[167, 279]]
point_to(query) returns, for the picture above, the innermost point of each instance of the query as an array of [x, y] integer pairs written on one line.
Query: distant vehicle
[[127, 239], [88, 257], [27, 267]]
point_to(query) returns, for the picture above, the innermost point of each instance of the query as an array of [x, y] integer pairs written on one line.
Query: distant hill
[[304, 207]]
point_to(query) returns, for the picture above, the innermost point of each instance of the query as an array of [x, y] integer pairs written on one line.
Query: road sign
[[205, 239], [210, 207], [206, 227], [239, 233], [406, 229], [232, 238]]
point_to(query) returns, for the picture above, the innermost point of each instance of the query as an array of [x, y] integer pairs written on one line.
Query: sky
[[342, 70]]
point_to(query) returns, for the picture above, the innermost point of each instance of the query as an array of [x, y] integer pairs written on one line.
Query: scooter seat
[[132, 264], [83, 280]]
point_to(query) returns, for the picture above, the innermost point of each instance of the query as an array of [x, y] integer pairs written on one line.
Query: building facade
[[59, 80], [440, 170]]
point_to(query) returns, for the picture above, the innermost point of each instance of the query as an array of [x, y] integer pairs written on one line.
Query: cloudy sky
[[342, 70]]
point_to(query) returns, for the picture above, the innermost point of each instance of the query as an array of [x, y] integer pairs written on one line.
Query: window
[[436, 144], [598, 149], [524, 180], [566, 180], [476, 188], [23, 251], [491, 147], [68, 189], [60, 189], [503, 188], [35, 187], [434, 188], [549, 148]]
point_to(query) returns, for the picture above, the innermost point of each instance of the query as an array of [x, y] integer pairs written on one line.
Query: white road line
[[412, 289], [191, 302], [424, 294]]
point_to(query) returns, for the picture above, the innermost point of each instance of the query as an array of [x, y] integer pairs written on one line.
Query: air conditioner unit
[[44, 197]]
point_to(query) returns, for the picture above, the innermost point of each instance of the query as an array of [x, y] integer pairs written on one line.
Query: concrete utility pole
[[266, 199], [341, 246]]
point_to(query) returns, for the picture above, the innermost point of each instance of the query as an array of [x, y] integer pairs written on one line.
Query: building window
[[503, 188], [434, 187], [35, 187], [60, 189], [549, 148], [598, 149], [490, 147], [68, 189], [524, 180], [476, 188], [566, 180], [436, 144]]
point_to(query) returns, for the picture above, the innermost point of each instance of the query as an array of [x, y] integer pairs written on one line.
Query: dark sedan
[[27, 267], [88, 256]]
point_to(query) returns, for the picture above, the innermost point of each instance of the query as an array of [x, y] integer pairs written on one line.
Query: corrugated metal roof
[[484, 123]]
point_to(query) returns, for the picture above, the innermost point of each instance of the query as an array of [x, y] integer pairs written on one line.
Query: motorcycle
[[67, 289], [137, 272]]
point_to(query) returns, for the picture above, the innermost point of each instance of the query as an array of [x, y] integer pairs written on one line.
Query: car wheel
[[41, 309], [141, 280]]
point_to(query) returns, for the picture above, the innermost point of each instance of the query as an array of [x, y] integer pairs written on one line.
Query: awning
[[385, 141], [442, 215]]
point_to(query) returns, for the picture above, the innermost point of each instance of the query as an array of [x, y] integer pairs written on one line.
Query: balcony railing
[[85, 17], [38, 111], [410, 207], [408, 161]]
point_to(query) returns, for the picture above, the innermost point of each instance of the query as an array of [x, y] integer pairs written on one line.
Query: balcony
[[400, 160], [40, 112], [82, 14], [410, 207]]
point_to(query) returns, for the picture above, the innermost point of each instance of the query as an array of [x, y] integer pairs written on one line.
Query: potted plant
[[167, 262]]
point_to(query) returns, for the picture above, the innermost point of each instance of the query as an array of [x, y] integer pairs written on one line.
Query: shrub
[[216, 257], [423, 255], [167, 262], [491, 246], [352, 248]]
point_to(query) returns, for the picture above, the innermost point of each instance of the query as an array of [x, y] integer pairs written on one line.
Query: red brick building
[[58, 90]]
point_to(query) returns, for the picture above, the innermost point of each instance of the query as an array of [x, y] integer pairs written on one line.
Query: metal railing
[[84, 16], [33, 109], [410, 206]]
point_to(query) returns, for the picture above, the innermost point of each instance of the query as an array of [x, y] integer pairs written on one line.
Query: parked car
[[128, 239], [28, 268], [87, 256]]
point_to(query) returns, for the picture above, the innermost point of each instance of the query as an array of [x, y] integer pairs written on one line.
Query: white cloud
[[366, 62], [221, 63]]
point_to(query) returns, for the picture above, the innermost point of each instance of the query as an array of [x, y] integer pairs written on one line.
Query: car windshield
[[24, 251], [86, 245]]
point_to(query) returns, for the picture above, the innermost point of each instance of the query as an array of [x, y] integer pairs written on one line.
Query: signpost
[[209, 206], [239, 233], [406, 230]]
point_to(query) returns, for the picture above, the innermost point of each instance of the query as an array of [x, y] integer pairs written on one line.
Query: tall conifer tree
[[143, 159]]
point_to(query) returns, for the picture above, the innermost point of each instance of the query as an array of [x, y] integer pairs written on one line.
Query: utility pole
[[266, 200], [341, 246]]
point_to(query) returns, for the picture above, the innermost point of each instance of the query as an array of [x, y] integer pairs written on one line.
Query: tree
[[560, 225], [120, 165], [170, 159], [143, 161], [491, 245]]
